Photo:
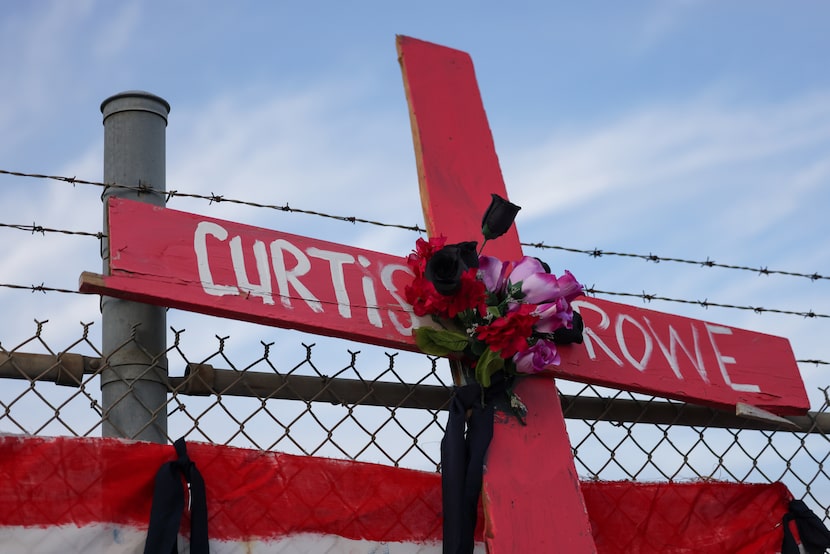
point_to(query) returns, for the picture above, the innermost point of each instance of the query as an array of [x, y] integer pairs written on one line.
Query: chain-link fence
[[389, 408]]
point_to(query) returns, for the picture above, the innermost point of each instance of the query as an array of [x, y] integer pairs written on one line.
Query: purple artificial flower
[[492, 272], [540, 288], [570, 287], [553, 316], [537, 357], [524, 268]]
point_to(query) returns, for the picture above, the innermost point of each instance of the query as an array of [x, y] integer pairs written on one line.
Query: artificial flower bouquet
[[493, 315]]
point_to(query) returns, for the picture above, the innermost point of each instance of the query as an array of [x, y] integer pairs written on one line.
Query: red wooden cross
[[531, 491], [531, 495]]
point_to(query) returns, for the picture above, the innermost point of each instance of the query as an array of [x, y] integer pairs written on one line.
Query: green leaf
[[466, 318], [488, 363], [514, 291], [439, 342], [477, 347]]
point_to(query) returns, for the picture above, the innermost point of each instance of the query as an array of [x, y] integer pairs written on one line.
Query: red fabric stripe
[[252, 494], [713, 517]]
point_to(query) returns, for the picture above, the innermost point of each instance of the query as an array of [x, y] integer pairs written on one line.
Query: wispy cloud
[[119, 31], [706, 150], [309, 149], [662, 20]]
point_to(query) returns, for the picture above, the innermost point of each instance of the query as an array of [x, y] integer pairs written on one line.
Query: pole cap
[[135, 100]]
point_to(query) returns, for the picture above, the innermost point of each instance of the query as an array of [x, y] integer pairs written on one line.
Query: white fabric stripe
[[112, 539]]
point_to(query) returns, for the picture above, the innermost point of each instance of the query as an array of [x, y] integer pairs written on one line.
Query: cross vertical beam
[[531, 495]]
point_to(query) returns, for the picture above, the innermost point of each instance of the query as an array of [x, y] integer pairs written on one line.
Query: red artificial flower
[[423, 297], [421, 293], [425, 300], [417, 294], [417, 260], [471, 296], [508, 335]]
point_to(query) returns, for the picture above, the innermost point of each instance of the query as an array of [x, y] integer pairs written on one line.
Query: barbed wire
[[43, 288], [595, 252], [35, 228], [215, 198], [645, 297]]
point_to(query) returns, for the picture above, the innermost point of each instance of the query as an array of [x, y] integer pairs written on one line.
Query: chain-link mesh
[[390, 409], [678, 451]]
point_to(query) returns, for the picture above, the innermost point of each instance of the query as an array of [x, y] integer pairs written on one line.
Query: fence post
[[134, 379]]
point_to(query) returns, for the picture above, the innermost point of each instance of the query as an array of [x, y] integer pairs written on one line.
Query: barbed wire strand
[[215, 198], [35, 228], [645, 297], [42, 288], [594, 252], [597, 253]]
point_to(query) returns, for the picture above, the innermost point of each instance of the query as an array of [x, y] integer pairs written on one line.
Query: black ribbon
[[168, 505], [462, 454], [815, 537], [462, 459]]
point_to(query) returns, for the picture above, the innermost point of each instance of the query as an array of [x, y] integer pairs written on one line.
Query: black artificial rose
[[468, 251], [445, 268], [563, 335], [498, 218]]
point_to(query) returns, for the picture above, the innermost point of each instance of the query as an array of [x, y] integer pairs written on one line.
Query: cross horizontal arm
[[242, 272]]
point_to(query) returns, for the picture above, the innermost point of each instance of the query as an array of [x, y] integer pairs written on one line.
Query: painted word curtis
[[242, 272], [291, 265]]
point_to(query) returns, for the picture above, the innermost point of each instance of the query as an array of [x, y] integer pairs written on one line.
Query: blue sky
[[687, 129]]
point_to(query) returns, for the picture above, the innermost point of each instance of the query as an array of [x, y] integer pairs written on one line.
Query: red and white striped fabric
[[94, 495]]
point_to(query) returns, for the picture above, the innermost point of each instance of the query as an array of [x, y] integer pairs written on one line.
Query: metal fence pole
[[134, 380]]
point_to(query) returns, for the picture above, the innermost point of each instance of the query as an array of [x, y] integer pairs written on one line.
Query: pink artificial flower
[[553, 315], [493, 272], [525, 267], [537, 357], [540, 288], [569, 287]]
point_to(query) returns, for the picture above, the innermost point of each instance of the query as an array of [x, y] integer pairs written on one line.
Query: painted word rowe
[[242, 272]]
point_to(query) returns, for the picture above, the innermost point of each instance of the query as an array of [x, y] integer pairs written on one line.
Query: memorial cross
[[531, 495]]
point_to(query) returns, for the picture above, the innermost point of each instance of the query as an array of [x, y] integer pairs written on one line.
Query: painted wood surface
[[226, 269], [242, 272], [449, 126], [526, 466]]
